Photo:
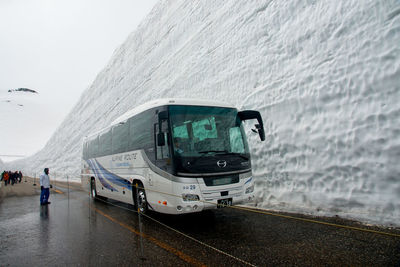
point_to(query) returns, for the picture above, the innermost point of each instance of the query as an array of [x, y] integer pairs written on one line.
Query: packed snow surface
[[324, 74]]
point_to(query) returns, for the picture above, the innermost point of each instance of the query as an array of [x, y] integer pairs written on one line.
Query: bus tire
[[93, 192], [142, 206]]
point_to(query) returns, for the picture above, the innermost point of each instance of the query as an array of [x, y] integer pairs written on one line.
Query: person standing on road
[[45, 187], [16, 177], [6, 178], [12, 178], [2, 178]]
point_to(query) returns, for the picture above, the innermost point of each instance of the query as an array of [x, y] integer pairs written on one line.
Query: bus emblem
[[221, 163]]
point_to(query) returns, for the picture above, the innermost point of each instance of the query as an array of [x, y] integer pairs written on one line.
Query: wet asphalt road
[[77, 231]]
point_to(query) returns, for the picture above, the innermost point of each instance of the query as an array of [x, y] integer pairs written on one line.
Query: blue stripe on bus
[[92, 163], [115, 179], [248, 181]]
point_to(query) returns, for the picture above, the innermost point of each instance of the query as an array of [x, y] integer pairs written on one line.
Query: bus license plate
[[224, 202]]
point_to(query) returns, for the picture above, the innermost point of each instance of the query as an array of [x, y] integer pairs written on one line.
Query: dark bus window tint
[[105, 146], [93, 147], [84, 150], [236, 140], [120, 138], [140, 132]]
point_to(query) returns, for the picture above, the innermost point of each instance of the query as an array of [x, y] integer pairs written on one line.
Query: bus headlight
[[190, 197], [250, 189]]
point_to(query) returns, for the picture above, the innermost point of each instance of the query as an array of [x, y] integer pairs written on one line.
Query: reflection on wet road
[[75, 230]]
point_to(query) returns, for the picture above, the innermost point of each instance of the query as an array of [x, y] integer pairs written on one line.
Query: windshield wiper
[[212, 151], [203, 153], [224, 152], [238, 154]]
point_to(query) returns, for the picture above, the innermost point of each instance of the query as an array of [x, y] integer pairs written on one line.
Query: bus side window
[[85, 150], [105, 145], [94, 147], [120, 137], [140, 132]]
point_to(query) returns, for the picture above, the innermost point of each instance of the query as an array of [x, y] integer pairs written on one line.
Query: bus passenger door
[[163, 156], [162, 161]]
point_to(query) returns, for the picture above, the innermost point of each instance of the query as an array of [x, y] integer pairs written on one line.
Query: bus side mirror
[[162, 116], [160, 139], [250, 115], [261, 131]]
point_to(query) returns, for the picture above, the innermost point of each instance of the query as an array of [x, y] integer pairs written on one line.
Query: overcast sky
[[55, 47]]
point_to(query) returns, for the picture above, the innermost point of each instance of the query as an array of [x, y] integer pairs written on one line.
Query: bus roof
[[169, 102], [159, 103]]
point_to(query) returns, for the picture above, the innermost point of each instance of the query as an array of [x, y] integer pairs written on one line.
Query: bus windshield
[[205, 132]]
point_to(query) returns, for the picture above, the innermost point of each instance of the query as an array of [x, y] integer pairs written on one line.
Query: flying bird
[[23, 90]]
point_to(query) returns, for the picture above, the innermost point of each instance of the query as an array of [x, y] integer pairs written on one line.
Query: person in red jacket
[[6, 176]]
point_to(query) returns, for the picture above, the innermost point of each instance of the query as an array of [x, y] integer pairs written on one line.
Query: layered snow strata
[[324, 74]]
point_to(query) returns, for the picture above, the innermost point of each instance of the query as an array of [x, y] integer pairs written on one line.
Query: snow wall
[[324, 74]]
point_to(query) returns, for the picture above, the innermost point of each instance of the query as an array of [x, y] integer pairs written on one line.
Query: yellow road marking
[[315, 221], [58, 191], [159, 243], [296, 218], [70, 186]]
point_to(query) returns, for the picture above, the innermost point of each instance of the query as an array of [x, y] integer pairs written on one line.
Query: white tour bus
[[185, 155]]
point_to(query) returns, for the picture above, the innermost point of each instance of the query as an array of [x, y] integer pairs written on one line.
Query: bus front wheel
[[93, 191], [140, 200]]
